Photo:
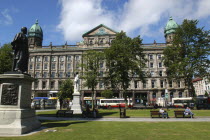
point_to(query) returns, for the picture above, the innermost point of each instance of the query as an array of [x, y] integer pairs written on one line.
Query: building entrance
[[141, 98]]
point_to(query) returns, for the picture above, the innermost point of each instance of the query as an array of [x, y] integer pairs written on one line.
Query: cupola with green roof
[[170, 29], [35, 35]]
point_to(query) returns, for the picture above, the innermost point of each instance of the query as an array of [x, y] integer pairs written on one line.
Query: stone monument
[[16, 115], [76, 107]]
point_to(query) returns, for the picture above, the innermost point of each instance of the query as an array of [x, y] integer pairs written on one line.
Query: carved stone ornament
[[9, 94]]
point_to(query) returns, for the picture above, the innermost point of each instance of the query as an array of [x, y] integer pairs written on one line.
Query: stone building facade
[[50, 65]]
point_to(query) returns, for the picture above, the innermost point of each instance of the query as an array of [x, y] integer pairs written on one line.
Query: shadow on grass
[[100, 115], [104, 114], [52, 124]]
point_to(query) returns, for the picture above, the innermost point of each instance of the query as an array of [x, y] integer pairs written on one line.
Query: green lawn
[[83, 130], [131, 113]]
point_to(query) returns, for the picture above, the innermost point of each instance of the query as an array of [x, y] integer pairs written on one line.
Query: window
[[61, 74], [160, 65], [45, 75], [151, 65], [171, 95], [152, 73], [91, 42], [145, 84], [37, 66], [61, 58], [153, 83], [37, 75], [45, 66], [101, 64], [151, 57], [101, 41], [101, 74], [68, 66], [43, 84], [53, 75], [179, 84], [36, 84], [135, 84], [77, 58], [38, 59], [46, 58], [159, 56], [68, 58], [101, 84], [162, 94], [31, 66], [180, 94], [170, 83], [61, 66], [52, 84], [153, 95], [53, 66], [161, 83], [53, 59], [68, 74], [59, 83], [161, 73], [31, 59]]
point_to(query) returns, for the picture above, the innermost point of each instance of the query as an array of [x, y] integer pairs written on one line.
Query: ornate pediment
[[100, 30]]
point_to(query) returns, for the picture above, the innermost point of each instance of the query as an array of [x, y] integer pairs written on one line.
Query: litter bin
[[122, 113]]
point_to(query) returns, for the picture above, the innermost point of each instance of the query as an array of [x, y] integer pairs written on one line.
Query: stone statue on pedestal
[[76, 103], [21, 54], [76, 83]]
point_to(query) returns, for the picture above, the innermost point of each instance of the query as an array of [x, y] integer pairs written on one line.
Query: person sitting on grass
[[188, 112], [164, 114]]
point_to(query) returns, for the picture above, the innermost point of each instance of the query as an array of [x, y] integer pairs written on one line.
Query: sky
[[68, 20]]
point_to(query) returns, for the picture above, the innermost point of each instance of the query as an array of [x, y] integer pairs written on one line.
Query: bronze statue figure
[[21, 54]]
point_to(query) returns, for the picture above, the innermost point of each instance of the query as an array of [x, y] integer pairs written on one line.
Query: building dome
[[171, 26], [35, 31]]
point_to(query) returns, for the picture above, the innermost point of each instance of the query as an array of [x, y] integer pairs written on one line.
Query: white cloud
[[79, 16], [5, 17], [135, 17]]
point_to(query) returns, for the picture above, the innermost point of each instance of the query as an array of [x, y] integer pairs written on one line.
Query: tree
[[91, 71], [6, 58], [107, 93], [187, 57], [125, 61], [66, 90]]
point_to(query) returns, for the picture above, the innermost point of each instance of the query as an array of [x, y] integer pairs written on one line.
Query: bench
[[180, 114], [156, 114], [64, 113]]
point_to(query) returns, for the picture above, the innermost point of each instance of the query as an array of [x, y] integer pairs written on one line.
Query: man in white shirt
[[164, 114]]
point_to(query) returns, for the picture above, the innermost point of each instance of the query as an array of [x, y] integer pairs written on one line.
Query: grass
[[93, 130], [129, 112]]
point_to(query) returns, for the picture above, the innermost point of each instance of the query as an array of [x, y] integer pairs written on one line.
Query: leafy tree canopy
[[124, 60], [66, 89], [107, 93], [91, 70], [6, 58], [187, 57]]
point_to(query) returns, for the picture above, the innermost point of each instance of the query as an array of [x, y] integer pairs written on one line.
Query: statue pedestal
[[16, 115], [76, 103]]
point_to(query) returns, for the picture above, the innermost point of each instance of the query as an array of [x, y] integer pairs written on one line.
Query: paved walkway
[[196, 119]]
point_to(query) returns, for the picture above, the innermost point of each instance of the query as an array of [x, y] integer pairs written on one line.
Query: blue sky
[[67, 20]]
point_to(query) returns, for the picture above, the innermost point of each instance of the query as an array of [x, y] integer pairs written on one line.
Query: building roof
[[171, 26], [197, 79], [35, 31]]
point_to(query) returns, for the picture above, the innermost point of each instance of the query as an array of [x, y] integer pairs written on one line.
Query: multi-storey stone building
[[50, 65]]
